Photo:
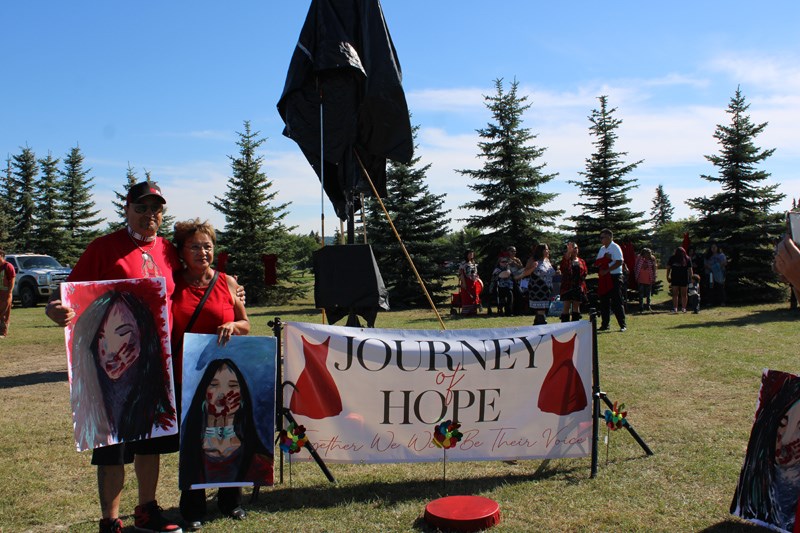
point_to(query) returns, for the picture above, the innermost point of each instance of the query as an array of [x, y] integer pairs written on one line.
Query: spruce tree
[[338, 236], [23, 198], [740, 218], [6, 215], [457, 243], [121, 198], [6, 192], [48, 225], [662, 239], [662, 209], [78, 213], [604, 189], [304, 248], [510, 202], [6, 242], [421, 222], [254, 226]]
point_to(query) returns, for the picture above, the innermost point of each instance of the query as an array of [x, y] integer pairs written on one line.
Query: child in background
[[645, 275], [694, 293], [503, 284]]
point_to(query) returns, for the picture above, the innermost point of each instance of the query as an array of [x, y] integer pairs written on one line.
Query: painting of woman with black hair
[[121, 390], [221, 445], [769, 484]]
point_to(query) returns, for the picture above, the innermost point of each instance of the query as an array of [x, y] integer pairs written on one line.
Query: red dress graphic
[[562, 391], [316, 394]]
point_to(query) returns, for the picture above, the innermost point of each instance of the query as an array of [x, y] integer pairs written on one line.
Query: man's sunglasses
[[142, 208]]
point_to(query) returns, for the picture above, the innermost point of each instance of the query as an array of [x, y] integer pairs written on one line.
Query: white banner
[[376, 395]]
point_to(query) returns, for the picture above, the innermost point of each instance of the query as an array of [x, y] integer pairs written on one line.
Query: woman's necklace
[[219, 432], [146, 257]]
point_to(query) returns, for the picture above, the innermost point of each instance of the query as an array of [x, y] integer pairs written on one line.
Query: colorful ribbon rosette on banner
[[615, 418], [293, 438], [446, 435]]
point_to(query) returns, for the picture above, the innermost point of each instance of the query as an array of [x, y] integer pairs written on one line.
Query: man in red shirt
[[130, 253], [7, 275]]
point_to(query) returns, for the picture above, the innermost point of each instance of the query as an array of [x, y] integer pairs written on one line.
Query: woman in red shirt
[[222, 314]]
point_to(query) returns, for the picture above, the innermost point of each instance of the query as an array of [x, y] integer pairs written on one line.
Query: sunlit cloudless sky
[[165, 86]]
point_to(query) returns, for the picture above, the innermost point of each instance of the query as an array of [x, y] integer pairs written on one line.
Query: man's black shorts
[[122, 454]]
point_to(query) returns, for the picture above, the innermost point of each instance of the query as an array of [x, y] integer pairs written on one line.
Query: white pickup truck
[[38, 276]]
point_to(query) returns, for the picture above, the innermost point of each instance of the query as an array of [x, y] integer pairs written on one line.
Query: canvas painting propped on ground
[[227, 412], [119, 361]]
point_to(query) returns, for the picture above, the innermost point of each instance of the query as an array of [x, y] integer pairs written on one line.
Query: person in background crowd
[[573, 283], [698, 267], [540, 283], [693, 292], [516, 266], [679, 272], [715, 265], [613, 298], [698, 261], [7, 275], [502, 285], [645, 274], [470, 284]]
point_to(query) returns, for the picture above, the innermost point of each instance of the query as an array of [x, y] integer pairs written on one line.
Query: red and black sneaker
[[110, 525], [148, 518]]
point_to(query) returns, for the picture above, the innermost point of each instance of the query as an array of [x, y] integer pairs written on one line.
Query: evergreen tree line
[[49, 209], [46, 205], [511, 204]]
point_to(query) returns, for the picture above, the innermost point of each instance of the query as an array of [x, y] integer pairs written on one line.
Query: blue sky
[[165, 86]]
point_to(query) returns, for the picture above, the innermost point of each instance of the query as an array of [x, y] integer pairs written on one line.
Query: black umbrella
[[344, 80]]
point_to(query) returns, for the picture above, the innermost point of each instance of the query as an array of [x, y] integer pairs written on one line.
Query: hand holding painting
[[787, 256]]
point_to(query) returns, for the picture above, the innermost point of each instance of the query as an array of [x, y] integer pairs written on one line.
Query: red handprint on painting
[[224, 404]]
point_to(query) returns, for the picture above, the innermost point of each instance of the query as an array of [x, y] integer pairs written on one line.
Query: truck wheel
[[28, 296]]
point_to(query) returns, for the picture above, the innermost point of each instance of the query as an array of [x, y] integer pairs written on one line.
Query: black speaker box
[[347, 281]]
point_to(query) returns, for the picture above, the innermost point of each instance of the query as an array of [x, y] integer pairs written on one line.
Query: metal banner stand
[[598, 396], [282, 412]]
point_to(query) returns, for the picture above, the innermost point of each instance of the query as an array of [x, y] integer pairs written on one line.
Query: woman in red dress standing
[[470, 284], [222, 314]]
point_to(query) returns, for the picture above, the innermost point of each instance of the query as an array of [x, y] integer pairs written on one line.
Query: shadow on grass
[[35, 378], [286, 498], [751, 319], [733, 526]]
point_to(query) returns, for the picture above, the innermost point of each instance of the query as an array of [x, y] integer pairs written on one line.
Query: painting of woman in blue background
[[228, 413]]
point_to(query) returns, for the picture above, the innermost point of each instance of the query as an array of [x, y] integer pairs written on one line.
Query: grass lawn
[[689, 381]]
